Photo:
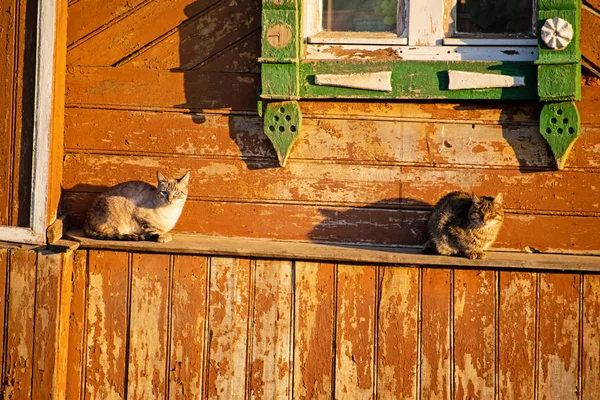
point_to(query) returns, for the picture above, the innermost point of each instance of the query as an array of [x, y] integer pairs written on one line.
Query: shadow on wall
[[388, 222]]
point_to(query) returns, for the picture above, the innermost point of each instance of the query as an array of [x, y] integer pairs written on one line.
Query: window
[[449, 30]]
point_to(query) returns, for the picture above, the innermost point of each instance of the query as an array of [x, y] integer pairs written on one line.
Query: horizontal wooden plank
[[245, 247], [557, 233], [146, 88], [132, 32], [589, 105], [198, 38], [397, 140], [340, 184]]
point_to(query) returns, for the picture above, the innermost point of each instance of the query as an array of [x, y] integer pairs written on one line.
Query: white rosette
[[557, 33]]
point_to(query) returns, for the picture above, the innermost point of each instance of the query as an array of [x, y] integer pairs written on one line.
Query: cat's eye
[[164, 193]]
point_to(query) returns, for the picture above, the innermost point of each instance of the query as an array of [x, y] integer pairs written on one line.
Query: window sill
[[186, 243]]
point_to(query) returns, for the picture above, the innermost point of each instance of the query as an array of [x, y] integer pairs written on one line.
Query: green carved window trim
[[553, 79]]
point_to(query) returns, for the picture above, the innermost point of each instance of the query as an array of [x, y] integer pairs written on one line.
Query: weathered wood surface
[[590, 23], [205, 327]]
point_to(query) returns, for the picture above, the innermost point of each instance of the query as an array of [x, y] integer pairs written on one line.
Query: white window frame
[[35, 233], [423, 39]]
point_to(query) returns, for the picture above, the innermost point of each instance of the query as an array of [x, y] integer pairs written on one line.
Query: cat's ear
[[474, 198], [498, 199], [160, 177], [184, 180]]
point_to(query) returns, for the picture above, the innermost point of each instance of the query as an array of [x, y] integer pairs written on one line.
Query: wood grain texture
[[558, 346], [49, 266], [229, 301], [18, 371], [589, 42], [314, 327], [107, 313], [591, 337], [355, 332], [77, 345], [144, 88], [188, 329], [199, 39], [517, 335], [398, 330], [132, 32], [436, 326], [150, 298], [4, 268], [474, 334], [271, 362]]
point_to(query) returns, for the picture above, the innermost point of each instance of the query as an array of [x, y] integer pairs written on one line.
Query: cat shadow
[[520, 130], [77, 200], [394, 222]]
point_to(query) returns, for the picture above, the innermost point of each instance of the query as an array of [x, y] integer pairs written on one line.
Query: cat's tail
[[116, 236], [429, 248]]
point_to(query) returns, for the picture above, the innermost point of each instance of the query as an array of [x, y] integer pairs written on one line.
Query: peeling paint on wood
[[516, 331], [436, 372], [558, 347], [474, 334], [107, 313], [229, 301], [314, 330], [591, 337], [398, 330], [355, 325], [76, 345], [188, 332], [271, 370], [150, 291]]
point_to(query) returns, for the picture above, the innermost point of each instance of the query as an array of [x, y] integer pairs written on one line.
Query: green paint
[[558, 4], [280, 81], [568, 55], [279, 5], [560, 126], [285, 18], [417, 79], [559, 82], [282, 124]]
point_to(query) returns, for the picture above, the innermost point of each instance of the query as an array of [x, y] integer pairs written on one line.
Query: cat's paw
[[473, 255], [164, 238]]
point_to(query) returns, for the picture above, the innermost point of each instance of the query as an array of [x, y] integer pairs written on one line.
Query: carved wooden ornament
[[557, 33]]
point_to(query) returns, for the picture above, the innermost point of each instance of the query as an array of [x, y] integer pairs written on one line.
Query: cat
[[137, 210], [464, 224]]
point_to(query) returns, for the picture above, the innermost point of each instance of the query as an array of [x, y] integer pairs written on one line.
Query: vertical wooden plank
[[516, 330], [229, 299], [354, 377], [4, 256], [398, 321], [76, 346], [46, 329], [436, 374], [106, 324], [474, 333], [558, 336], [591, 337], [272, 333], [314, 330], [188, 327], [63, 323], [148, 326], [20, 320]]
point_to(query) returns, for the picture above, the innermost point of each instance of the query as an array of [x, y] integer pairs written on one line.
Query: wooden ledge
[[184, 243]]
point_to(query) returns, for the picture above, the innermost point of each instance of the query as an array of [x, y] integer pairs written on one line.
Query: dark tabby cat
[[464, 224], [137, 210]]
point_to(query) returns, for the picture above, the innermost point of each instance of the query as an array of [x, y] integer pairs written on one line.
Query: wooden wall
[[157, 326], [173, 86], [17, 74]]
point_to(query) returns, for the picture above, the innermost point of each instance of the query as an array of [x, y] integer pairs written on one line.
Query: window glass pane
[[494, 16], [360, 15]]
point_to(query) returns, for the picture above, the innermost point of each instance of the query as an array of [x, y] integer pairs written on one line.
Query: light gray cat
[[464, 224], [136, 210]]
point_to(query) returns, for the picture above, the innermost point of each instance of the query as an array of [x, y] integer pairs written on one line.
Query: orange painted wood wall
[[156, 325], [173, 86]]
